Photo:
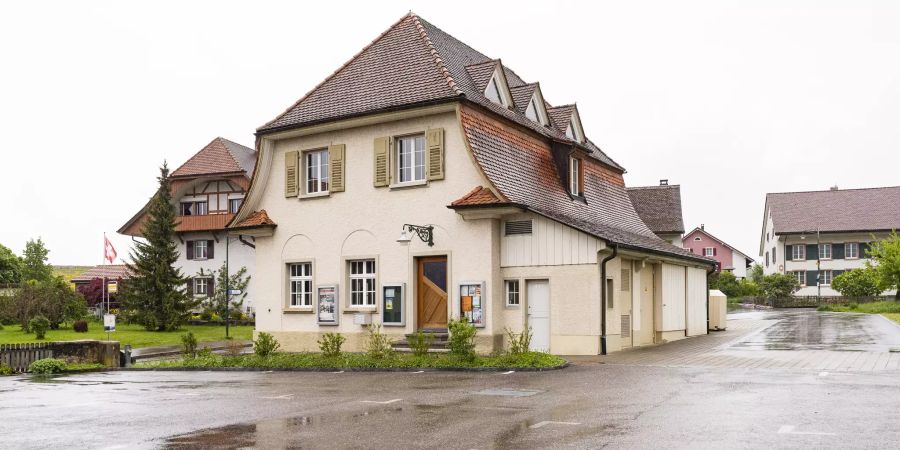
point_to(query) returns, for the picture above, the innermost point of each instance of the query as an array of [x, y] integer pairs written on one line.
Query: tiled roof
[[836, 210], [659, 207], [111, 271], [255, 219], [412, 63], [478, 196], [209, 222], [522, 169], [560, 116], [218, 157], [522, 95]]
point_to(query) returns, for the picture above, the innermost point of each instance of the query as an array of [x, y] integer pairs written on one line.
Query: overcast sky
[[729, 100]]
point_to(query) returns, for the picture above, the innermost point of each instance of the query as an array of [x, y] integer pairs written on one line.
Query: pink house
[[699, 241]]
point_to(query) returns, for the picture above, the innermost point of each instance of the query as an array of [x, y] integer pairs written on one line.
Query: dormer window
[[535, 110], [497, 91], [574, 130], [576, 176]]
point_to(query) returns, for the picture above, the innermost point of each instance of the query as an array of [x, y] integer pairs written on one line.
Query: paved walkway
[[799, 339]]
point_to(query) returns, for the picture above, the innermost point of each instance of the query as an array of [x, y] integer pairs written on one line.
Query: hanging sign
[[327, 305], [109, 322], [112, 287]]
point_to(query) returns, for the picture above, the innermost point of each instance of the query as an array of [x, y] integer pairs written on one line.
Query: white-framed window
[[194, 209], [234, 204], [362, 282], [531, 111], [801, 277], [575, 178], [697, 238], [709, 251], [825, 277], [798, 252], [201, 287], [316, 168], [512, 292], [300, 281], [851, 250], [824, 251], [411, 158], [492, 91], [201, 251]]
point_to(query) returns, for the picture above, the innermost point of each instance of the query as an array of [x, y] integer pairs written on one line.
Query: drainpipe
[[708, 272], [603, 262]]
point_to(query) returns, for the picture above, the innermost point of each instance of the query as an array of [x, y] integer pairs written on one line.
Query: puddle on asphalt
[[508, 392]]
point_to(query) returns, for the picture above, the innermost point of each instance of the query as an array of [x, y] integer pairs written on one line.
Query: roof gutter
[[603, 295]]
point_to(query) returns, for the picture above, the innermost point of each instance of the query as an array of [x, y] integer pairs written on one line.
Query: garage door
[[696, 301]]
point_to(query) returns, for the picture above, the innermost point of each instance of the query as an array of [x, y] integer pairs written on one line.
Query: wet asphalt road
[[588, 405]]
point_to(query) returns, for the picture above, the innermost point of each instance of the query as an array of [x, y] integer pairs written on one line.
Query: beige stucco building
[[530, 222]]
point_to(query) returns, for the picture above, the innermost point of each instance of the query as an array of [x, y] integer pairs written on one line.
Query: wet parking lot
[[696, 393]]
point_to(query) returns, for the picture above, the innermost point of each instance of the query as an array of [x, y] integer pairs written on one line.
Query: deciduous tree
[[885, 260], [779, 285], [858, 283], [238, 280], [34, 261], [10, 266]]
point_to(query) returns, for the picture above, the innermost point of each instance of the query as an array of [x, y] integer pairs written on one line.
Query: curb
[[323, 369]]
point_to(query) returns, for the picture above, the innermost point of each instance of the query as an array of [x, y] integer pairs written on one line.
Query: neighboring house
[[729, 259], [110, 272], [817, 235], [660, 208], [207, 190], [532, 224]]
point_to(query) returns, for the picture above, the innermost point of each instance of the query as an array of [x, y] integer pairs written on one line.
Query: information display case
[[472, 302], [393, 304]]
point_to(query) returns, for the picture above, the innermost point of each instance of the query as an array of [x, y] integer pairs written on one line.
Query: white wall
[[240, 255], [673, 298], [696, 301], [549, 244]]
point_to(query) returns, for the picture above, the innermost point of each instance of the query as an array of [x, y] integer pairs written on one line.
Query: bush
[[858, 283], [420, 342], [80, 326], [330, 344], [39, 326], [189, 345], [462, 338], [233, 347], [519, 343], [779, 285], [206, 314], [265, 345], [47, 366], [378, 344]]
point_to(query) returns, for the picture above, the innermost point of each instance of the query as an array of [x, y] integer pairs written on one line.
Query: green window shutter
[[210, 247], [811, 277], [189, 250], [837, 251], [788, 252], [382, 161], [435, 144], [291, 174], [336, 165], [812, 252], [863, 248]]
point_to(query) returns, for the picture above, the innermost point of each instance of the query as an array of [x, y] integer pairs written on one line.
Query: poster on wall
[[392, 304], [327, 305], [471, 302]]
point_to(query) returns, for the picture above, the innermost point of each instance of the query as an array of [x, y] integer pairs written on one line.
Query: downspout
[[603, 262], [708, 272]]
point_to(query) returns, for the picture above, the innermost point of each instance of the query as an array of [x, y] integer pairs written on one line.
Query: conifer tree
[[155, 293]]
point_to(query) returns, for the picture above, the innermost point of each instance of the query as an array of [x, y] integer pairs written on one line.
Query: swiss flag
[[109, 252]]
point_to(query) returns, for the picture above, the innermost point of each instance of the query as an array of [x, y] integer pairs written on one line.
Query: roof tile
[[836, 210], [659, 207], [218, 157]]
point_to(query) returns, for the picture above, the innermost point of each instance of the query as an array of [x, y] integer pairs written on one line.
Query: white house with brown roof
[[817, 235], [518, 219], [207, 191], [660, 208]]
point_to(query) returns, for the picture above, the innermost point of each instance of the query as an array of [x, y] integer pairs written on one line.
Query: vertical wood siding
[[549, 244], [696, 301], [673, 297]]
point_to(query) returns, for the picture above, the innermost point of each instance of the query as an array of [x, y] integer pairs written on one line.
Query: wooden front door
[[431, 292]]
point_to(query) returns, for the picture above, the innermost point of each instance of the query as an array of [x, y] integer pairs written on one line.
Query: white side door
[[539, 314]]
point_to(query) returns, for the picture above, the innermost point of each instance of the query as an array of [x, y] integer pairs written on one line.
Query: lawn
[[135, 335], [890, 309], [529, 360]]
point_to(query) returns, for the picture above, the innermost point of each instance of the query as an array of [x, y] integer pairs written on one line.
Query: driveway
[[652, 401]]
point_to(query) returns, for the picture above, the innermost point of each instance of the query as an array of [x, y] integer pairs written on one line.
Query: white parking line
[[549, 422], [421, 371], [338, 372], [507, 373], [281, 397], [789, 429], [382, 403], [823, 374]]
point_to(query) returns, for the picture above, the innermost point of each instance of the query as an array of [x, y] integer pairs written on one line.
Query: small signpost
[[109, 324], [235, 292]]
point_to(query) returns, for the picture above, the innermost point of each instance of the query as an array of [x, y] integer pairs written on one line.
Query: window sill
[[315, 195], [409, 184], [297, 310], [512, 306], [358, 310]]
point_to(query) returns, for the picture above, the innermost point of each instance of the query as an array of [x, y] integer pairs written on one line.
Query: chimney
[[834, 188], [702, 226], [664, 182]]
